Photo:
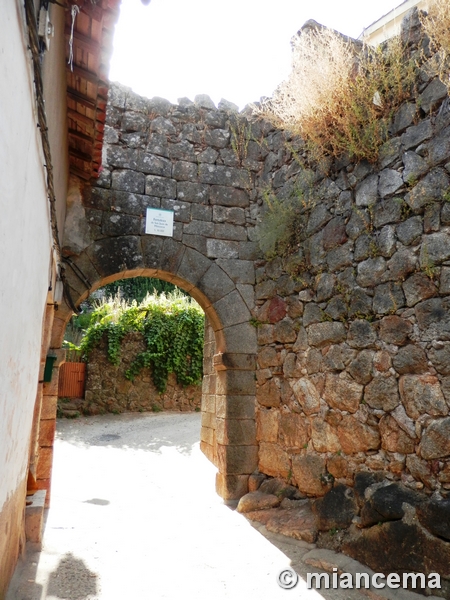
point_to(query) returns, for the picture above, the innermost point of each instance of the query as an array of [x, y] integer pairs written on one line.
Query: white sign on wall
[[159, 222]]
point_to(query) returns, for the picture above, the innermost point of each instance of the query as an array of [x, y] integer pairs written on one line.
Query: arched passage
[[228, 436]]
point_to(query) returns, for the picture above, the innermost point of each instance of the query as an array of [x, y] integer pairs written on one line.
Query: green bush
[[172, 326]]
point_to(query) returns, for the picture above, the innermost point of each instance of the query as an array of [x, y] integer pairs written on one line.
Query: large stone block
[[267, 422], [224, 176], [235, 383], [342, 392], [393, 438], [240, 338], [310, 474], [323, 436], [323, 334], [237, 460], [228, 196], [112, 256], [231, 309], [356, 436], [273, 460], [235, 406], [307, 395], [422, 394], [237, 432], [231, 487], [128, 181], [436, 440], [293, 431], [47, 430], [382, 393]]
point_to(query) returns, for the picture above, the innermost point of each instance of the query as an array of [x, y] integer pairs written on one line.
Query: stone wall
[[353, 352], [352, 330], [108, 390]]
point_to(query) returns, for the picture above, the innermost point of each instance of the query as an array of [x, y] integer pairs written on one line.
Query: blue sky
[[233, 49]]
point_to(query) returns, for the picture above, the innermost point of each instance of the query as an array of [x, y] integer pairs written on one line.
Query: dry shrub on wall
[[340, 96], [437, 26]]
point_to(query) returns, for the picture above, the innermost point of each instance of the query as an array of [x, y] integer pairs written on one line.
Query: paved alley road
[[135, 516]]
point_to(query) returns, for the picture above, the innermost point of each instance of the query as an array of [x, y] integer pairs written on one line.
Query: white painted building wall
[[25, 242]]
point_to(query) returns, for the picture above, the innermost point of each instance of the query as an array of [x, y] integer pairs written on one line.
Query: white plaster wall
[[25, 242]]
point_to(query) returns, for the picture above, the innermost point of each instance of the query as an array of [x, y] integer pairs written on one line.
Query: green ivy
[[172, 326]]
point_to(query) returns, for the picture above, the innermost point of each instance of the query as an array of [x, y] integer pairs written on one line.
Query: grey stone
[[227, 231], [208, 156], [231, 309], [162, 126], [436, 440], [128, 181], [318, 218], [410, 230], [430, 188], [440, 358], [435, 516], [160, 187], [360, 304], [240, 271], [204, 101], [199, 228], [182, 210], [312, 314], [228, 106], [336, 309], [386, 504], [433, 318], [415, 167], [222, 249], [122, 158], [370, 271], [386, 241], [417, 134], [119, 224], [340, 257], [387, 211], [364, 246], [183, 150], [390, 181], [367, 191], [325, 286], [322, 334], [439, 147], [389, 152], [388, 298], [404, 117], [228, 196], [116, 254], [233, 215], [334, 233], [432, 96], [336, 509], [410, 359], [193, 192], [444, 284], [395, 330], [217, 138], [445, 214], [359, 223], [200, 212], [361, 334], [432, 217], [401, 264], [157, 144], [435, 249], [382, 393], [224, 176], [361, 367], [185, 171]]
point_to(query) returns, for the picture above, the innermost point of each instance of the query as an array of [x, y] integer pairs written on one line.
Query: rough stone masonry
[[353, 352]]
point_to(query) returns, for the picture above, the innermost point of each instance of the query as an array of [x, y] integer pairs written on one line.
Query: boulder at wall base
[[257, 501], [336, 509], [385, 504], [435, 516], [398, 547]]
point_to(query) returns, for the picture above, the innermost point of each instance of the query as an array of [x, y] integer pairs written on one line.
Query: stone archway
[[228, 435]]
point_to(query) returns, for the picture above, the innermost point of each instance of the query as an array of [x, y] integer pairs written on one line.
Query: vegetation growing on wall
[[437, 26], [340, 97], [172, 326]]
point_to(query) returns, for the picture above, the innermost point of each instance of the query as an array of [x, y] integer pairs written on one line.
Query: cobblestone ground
[[135, 517]]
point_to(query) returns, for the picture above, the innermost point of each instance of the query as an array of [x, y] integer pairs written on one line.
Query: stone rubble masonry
[[352, 353]]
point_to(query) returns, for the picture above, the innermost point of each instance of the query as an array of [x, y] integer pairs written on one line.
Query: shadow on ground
[[72, 580]]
